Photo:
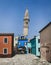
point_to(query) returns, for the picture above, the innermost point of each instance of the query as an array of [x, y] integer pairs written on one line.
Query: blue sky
[[12, 14]]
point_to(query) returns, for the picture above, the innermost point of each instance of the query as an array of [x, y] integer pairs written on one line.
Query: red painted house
[[6, 44]]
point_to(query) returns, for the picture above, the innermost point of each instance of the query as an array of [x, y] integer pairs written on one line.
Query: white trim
[[7, 40], [3, 51]]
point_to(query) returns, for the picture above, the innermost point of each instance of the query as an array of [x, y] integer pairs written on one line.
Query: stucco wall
[[45, 36], [37, 46], [4, 45], [45, 40]]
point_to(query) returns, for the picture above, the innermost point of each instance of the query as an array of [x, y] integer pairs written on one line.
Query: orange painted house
[[6, 44]]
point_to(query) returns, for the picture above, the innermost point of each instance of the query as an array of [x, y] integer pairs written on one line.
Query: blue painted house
[[35, 45], [22, 44]]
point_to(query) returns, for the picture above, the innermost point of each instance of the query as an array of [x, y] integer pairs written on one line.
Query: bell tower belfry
[[26, 21]]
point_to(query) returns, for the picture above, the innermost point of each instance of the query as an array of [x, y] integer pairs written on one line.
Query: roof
[[26, 16], [32, 38], [6, 34], [45, 27], [23, 39]]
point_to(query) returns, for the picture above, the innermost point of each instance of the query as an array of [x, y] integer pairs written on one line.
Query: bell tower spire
[[26, 21]]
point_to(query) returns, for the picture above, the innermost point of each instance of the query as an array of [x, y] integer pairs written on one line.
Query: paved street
[[23, 59]]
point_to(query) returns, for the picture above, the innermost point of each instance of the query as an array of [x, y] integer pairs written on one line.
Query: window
[[38, 40], [5, 51], [22, 37], [39, 49], [26, 22], [5, 40]]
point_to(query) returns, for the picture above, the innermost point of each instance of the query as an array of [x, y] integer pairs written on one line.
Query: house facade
[[22, 44], [15, 40], [15, 44], [6, 44], [35, 45], [28, 47], [45, 40]]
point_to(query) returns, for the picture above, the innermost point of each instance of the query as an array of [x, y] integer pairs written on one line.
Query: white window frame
[[7, 40], [3, 51]]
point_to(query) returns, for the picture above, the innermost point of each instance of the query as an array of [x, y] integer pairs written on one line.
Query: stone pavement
[[23, 59]]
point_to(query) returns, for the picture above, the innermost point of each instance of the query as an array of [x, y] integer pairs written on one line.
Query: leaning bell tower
[[26, 21]]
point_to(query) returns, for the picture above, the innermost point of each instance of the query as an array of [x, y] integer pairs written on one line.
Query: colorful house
[[29, 46], [15, 40], [35, 45], [6, 44], [22, 44], [22, 41], [45, 42], [15, 44]]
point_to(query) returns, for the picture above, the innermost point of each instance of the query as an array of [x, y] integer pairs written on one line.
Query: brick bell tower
[[26, 21]]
